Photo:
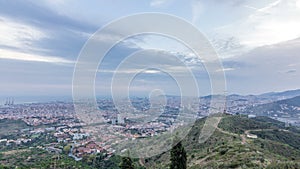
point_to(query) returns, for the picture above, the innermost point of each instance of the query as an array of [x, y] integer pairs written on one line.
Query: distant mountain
[[287, 94], [283, 95], [262, 98], [283, 108]]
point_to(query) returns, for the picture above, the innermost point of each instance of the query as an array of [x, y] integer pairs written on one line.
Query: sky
[[258, 43]]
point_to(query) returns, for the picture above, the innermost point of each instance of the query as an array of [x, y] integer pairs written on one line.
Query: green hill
[[229, 146]]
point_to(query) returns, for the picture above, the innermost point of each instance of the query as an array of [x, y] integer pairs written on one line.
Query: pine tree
[[178, 157], [99, 160], [126, 163]]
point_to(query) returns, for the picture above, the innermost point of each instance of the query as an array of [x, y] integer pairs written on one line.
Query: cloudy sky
[[257, 41]]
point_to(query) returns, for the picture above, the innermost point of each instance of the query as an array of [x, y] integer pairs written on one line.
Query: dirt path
[[227, 132], [244, 140], [14, 151], [142, 162], [243, 136], [200, 161]]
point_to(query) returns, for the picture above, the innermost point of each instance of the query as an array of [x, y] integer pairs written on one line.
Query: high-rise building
[[120, 119]]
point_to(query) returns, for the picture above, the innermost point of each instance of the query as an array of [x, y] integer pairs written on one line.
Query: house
[[251, 116], [252, 136]]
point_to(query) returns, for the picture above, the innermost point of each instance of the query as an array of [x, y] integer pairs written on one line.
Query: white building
[[251, 115], [120, 119]]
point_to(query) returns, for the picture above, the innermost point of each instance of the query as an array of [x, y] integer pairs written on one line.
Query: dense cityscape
[[65, 131]]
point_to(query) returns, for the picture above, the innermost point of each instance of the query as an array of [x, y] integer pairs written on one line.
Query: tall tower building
[[120, 119], [9, 101]]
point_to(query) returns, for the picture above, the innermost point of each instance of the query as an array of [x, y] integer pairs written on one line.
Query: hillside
[[229, 146], [282, 108]]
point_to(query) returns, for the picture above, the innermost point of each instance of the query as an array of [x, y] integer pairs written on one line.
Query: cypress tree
[[178, 157], [126, 163]]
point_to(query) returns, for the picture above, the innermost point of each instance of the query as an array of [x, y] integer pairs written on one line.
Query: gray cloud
[[32, 13], [65, 35], [268, 68]]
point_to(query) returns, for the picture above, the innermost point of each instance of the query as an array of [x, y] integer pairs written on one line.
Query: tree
[[178, 157], [99, 160], [126, 163], [67, 149]]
